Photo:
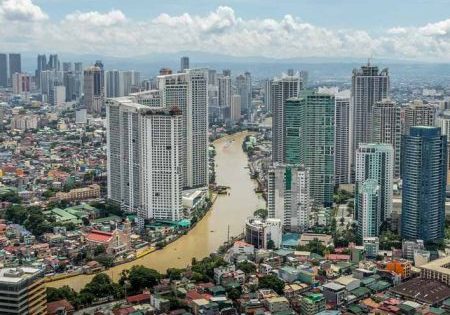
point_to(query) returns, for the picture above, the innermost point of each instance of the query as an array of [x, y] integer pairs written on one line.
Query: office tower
[[288, 195], [15, 64], [67, 66], [53, 63], [267, 86], [22, 291], [188, 91], [184, 64], [342, 139], [387, 128], [368, 201], [41, 66], [78, 67], [369, 85], [235, 108], [93, 89], [309, 140], [244, 89], [225, 92], [114, 83], [424, 174], [21, 83], [374, 162], [304, 77], [418, 114], [144, 147], [226, 73], [281, 90], [443, 122], [58, 96], [3, 71]]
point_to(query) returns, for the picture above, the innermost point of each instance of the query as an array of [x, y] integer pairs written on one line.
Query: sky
[[282, 29]]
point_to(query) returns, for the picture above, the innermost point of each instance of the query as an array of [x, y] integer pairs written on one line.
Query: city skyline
[[115, 30]]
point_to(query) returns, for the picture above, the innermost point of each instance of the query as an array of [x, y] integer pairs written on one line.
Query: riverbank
[[227, 214]]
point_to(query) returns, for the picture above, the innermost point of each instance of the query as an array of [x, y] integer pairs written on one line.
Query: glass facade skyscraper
[[424, 169]]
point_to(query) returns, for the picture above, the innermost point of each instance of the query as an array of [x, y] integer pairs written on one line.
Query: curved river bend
[[212, 231]]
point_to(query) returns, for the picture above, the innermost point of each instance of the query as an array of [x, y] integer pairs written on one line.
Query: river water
[[212, 231]]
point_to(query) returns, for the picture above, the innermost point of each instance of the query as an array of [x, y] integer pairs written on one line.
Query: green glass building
[[309, 140]]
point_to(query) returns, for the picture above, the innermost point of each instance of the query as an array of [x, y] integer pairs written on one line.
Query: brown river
[[212, 231]]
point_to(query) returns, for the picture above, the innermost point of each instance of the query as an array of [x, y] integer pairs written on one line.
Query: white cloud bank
[[25, 27]]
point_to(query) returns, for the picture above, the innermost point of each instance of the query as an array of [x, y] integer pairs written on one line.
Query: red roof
[[54, 307], [99, 236], [193, 295], [139, 298], [338, 257]]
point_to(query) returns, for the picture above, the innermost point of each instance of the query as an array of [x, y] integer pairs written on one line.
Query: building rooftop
[[16, 275], [423, 290], [441, 265]]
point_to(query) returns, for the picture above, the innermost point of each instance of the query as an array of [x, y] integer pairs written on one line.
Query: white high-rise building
[[387, 128], [369, 85], [368, 201], [418, 114], [288, 197], [144, 147], [281, 90], [188, 91], [374, 162], [224, 96], [58, 95]]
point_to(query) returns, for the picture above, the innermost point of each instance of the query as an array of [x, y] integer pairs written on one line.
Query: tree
[[246, 267], [10, 196], [16, 214], [271, 282], [262, 213], [234, 293], [206, 266], [140, 278], [101, 286], [270, 244], [65, 292], [99, 249], [175, 273], [36, 223]]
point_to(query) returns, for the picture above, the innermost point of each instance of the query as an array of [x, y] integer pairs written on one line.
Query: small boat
[[212, 231]]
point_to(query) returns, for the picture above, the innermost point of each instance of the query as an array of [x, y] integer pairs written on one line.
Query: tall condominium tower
[[53, 63], [15, 65], [113, 83], [67, 66], [224, 96], [244, 89], [94, 89], [281, 90], [188, 91], [144, 158], [267, 87], [288, 196], [418, 114], [369, 85], [3, 71], [41, 66], [309, 140], [374, 162], [387, 128], [184, 64], [342, 138], [424, 167], [235, 108]]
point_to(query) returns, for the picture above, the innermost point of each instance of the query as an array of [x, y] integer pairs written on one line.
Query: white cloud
[[21, 10], [95, 18], [221, 31]]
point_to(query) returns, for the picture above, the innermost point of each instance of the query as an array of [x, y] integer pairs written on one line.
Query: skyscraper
[[21, 83], [67, 66], [418, 114], [369, 85], [15, 64], [309, 140], [144, 158], [188, 91], [288, 197], [235, 108], [94, 89], [342, 139], [53, 63], [387, 128], [424, 174], [374, 162], [281, 90], [41, 66], [113, 83], [184, 64], [225, 92], [3, 71]]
